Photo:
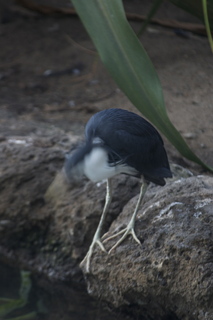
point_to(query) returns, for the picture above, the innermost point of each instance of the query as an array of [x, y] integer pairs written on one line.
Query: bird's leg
[[97, 236], [130, 227]]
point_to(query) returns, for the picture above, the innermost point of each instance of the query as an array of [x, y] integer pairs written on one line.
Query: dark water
[[45, 300]]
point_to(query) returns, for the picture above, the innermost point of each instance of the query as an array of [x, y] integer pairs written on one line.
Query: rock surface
[[47, 226], [170, 276]]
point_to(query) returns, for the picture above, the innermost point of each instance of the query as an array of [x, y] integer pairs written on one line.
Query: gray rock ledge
[[170, 276]]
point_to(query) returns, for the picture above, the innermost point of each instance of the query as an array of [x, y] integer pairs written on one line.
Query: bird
[[118, 141]]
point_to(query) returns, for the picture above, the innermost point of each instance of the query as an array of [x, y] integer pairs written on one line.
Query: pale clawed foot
[[85, 263], [129, 230]]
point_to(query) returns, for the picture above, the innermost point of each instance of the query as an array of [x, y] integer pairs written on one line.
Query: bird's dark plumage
[[132, 140]]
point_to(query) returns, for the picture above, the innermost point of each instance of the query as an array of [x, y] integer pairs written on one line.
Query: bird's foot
[[129, 230], [85, 263]]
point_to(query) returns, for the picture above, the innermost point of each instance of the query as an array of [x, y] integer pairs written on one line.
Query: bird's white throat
[[97, 168]]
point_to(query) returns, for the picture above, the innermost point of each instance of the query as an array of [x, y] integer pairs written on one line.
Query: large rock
[[49, 229], [170, 275]]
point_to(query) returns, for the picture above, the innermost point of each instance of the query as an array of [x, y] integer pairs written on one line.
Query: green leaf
[[129, 65]]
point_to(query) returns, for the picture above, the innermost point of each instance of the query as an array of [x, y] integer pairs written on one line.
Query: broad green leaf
[[129, 65]]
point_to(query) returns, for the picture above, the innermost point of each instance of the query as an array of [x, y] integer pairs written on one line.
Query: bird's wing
[[145, 152]]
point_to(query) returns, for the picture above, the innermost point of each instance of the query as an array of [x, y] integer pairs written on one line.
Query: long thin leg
[[130, 227], [97, 236]]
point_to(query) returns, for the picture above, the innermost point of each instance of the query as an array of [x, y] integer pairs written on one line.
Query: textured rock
[[170, 276], [45, 224], [49, 229]]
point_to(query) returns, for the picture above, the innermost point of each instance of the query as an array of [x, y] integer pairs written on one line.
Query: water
[[24, 297]]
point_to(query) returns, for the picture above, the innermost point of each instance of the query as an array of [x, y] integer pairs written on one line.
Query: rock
[[170, 276], [26, 232], [45, 224]]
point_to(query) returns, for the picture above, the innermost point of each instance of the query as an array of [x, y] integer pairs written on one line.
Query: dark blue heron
[[118, 141]]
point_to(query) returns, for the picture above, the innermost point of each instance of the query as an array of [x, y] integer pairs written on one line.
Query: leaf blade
[[129, 65]]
